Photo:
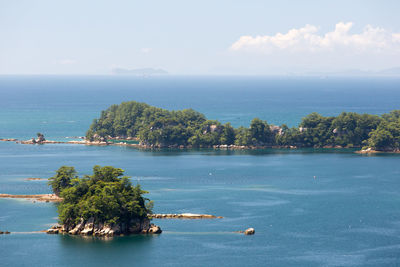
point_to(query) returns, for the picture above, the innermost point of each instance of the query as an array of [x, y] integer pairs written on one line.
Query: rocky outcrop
[[143, 145], [78, 228], [40, 138], [92, 228], [372, 151], [184, 216], [249, 231], [8, 139], [98, 138], [53, 230], [89, 227], [35, 179], [42, 197], [33, 141], [154, 229]]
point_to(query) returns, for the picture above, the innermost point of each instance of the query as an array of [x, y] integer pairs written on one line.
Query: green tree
[[243, 136], [386, 136], [62, 179], [260, 132], [317, 130], [227, 135]]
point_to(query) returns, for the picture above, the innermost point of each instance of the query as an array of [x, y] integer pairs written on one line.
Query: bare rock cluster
[[185, 216], [91, 228]]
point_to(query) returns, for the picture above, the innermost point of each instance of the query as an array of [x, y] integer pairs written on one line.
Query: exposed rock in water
[[5, 232], [78, 228], [41, 197], [249, 231], [184, 216], [373, 151], [154, 229], [88, 230], [40, 138], [98, 138], [90, 227], [35, 179], [8, 139], [52, 231]]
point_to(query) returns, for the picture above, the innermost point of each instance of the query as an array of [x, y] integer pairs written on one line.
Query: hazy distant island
[[154, 127], [102, 204]]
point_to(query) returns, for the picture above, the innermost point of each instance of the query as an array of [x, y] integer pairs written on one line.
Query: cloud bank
[[307, 39]]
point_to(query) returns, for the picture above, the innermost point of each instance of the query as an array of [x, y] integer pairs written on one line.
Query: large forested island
[[156, 127], [102, 204]]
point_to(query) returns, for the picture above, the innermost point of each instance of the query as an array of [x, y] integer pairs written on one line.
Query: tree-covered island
[[157, 128], [102, 204]]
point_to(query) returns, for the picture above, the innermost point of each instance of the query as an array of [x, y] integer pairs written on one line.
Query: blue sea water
[[348, 215]]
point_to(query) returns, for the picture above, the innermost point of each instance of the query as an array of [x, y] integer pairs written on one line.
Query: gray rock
[[154, 229], [77, 228], [52, 231], [88, 229]]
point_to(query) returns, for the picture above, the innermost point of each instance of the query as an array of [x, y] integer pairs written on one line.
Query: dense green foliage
[[62, 179], [107, 196], [387, 134], [158, 127]]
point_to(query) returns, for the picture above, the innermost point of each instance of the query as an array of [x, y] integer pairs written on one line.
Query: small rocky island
[[103, 204]]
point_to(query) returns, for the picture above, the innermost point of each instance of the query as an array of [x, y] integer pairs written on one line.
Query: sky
[[219, 37]]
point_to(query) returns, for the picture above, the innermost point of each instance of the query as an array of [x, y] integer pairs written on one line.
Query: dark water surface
[[348, 215]]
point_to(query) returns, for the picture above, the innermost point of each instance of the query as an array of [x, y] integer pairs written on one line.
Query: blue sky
[[198, 37]]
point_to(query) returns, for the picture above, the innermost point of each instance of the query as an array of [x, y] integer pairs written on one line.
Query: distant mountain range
[[392, 72], [139, 72]]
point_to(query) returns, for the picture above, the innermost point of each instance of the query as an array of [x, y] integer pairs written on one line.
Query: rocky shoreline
[[145, 146], [91, 228], [124, 141], [371, 151]]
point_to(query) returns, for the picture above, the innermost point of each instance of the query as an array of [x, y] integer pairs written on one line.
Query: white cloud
[[67, 61], [145, 50], [307, 39]]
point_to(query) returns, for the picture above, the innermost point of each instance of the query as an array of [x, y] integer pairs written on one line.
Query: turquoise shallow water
[[348, 215]]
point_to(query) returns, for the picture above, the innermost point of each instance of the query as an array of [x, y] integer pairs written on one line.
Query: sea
[[309, 207]]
